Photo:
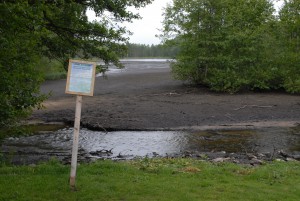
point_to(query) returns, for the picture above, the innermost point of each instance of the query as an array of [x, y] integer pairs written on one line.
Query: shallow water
[[145, 60], [138, 65], [129, 144]]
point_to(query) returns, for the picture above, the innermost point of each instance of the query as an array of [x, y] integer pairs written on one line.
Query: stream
[[120, 145]]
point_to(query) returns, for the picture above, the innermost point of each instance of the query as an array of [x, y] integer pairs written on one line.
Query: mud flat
[[145, 97]]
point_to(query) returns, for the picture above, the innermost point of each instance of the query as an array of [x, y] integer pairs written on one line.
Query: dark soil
[[148, 98]]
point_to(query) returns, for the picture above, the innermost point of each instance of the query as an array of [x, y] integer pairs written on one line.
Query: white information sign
[[81, 78]]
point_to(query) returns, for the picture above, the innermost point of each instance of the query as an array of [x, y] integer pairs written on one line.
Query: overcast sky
[[145, 29]]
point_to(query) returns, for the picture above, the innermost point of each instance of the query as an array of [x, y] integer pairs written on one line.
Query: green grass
[[27, 130], [55, 76], [51, 69], [158, 179]]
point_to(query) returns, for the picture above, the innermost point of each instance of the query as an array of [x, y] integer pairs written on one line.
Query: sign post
[[75, 141], [80, 82]]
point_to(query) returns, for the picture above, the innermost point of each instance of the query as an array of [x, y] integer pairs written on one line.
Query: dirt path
[[147, 98]]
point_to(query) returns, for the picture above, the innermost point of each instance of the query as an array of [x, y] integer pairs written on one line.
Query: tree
[[222, 42], [289, 60], [141, 50], [58, 30]]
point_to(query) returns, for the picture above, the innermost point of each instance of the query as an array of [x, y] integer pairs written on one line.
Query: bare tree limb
[[258, 106]]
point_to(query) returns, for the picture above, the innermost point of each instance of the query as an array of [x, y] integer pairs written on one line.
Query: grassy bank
[[51, 69], [158, 179], [27, 130]]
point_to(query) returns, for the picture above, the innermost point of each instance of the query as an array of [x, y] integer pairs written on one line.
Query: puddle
[[130, 144]]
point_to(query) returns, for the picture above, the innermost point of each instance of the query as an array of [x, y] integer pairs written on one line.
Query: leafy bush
[[231, 45], [19, 78], [225, 80]]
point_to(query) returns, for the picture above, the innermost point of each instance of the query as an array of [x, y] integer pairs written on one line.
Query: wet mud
[[144, 96]]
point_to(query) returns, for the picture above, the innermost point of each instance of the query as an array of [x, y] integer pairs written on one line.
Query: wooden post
[[80, 82], [75, 141]]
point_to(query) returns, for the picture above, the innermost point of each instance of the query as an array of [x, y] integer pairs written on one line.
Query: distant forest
[[141, 50]]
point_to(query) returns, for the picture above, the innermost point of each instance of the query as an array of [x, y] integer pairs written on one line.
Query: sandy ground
[[146, 97]]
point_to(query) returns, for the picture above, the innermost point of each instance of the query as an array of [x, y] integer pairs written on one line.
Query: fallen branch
[[259, 106], [98, 124], [229, 117], [102, 128], [167, 94]]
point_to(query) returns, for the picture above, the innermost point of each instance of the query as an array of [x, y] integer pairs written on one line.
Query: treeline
[[231, 45], [141, 50]]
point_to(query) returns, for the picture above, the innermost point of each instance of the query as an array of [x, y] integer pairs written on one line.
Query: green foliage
[[51, 69], [152, 179], [231, 45], [19, 77], [225, 80], [290, 57], [31, 31]]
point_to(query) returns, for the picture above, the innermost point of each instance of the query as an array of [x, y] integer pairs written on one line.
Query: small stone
[[235, 161], [297, 157], [203, 156], [256, 161], [268, 154], [282, 153], [251, 156], [279, 160], [290, 159], [220, 160]]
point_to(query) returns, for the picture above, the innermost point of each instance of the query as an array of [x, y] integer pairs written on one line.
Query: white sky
[[145, 29]]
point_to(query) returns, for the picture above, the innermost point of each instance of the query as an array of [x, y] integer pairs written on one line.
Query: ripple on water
[[147, 143]]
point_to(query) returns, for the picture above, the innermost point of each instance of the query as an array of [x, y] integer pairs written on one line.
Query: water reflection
[[226, 140], [146, 60], [138, 65]]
